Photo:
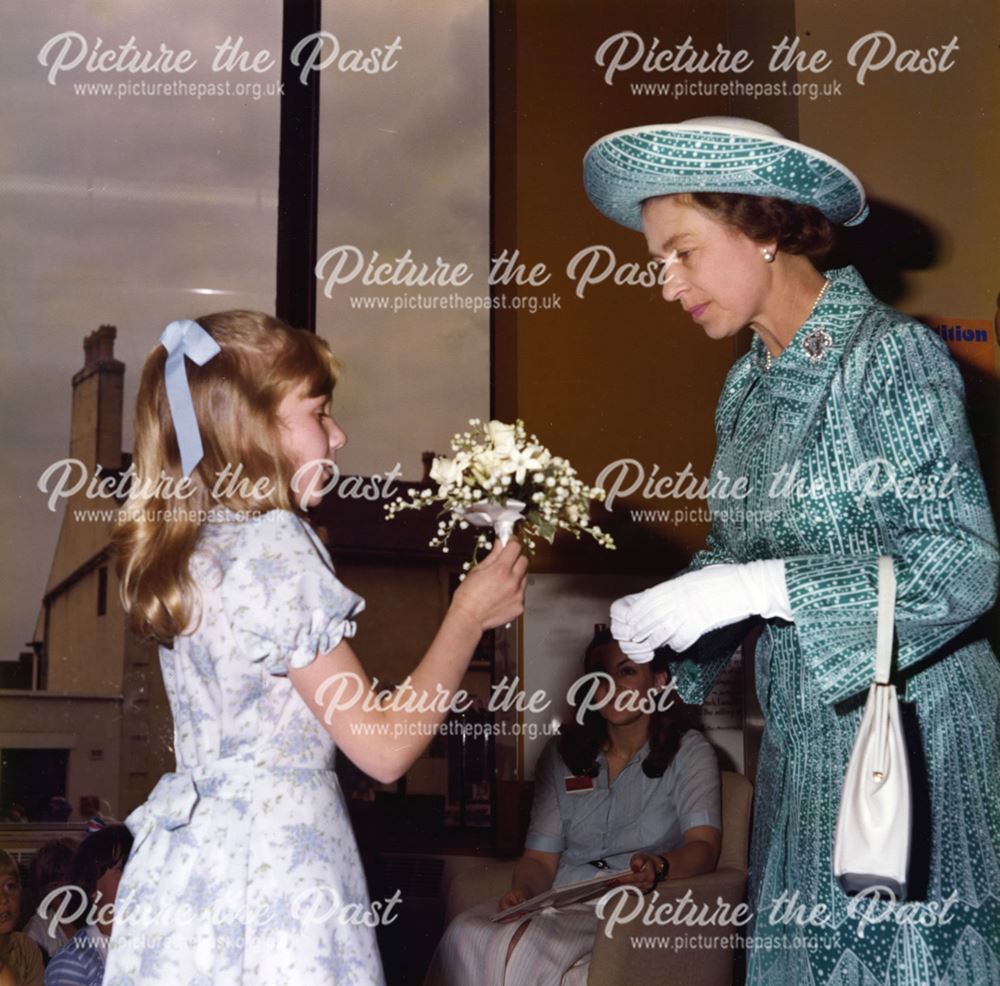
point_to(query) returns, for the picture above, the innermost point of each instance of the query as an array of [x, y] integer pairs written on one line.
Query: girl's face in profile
[[10, 902], [637, 680], [309, 438]]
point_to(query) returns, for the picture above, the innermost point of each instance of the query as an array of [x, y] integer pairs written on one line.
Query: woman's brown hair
[[797, 228]]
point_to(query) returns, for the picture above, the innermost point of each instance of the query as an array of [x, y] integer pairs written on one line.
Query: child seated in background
[[20, 958], [51, 868]]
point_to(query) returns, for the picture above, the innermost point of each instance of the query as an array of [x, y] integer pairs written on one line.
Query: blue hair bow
[[185, 338]]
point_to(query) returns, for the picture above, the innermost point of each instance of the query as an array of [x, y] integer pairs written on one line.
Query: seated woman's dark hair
[[98, 853], [797, 228], [579, 743]]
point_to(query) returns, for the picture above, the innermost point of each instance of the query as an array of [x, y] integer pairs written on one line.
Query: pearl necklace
[[768, 359]]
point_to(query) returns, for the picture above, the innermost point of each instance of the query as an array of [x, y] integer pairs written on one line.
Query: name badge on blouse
[[578, 785]]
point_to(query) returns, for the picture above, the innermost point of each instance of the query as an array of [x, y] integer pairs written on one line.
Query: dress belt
[[172, 801]]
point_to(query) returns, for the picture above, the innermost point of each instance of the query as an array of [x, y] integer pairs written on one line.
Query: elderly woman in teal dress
[[846, 421]]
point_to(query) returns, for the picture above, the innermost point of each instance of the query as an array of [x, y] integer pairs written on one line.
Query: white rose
[[445, 471], [503, 436], [487, 465]]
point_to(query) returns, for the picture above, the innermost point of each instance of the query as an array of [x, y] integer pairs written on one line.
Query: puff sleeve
[[281, 596]]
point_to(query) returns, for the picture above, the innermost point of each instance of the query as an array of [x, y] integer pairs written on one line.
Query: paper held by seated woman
[[574, 893]]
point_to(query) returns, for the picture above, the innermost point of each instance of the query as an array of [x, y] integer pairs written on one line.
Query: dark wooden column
[[298, 170]]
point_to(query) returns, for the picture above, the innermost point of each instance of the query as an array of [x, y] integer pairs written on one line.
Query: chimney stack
[[96, 420], [99, 346]]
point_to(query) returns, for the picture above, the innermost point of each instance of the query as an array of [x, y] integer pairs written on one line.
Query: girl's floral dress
[[245, 869]]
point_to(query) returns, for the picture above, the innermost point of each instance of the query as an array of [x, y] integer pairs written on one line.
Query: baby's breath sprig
[[494, 463]]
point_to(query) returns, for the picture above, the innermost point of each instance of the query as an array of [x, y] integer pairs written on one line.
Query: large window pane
[[404, 168]]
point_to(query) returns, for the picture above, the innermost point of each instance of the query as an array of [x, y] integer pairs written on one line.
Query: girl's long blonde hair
[[236, 395]]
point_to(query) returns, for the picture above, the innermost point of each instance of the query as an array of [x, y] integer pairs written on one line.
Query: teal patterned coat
[[862, 387]]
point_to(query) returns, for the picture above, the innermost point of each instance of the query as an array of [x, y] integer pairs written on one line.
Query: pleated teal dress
[[855, 443]]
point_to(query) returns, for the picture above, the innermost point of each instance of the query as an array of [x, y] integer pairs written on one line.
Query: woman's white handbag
[[872, 846]]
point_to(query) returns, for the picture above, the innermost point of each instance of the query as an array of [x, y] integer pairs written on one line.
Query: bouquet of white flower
[[498, 477]]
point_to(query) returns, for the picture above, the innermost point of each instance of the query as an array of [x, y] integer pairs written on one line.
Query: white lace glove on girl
[[677, 613]]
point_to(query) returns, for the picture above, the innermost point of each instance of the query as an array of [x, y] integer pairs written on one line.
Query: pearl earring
[[768, 256]]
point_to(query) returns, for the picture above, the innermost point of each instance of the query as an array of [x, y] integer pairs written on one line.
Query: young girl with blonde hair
[[245, 868]]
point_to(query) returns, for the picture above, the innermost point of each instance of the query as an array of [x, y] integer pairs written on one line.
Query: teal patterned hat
[[715, 154]]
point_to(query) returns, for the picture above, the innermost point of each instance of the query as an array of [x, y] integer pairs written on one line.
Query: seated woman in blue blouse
[[624, 789]]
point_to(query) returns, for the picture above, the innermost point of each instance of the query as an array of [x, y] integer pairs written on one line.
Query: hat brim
[[623, 169]]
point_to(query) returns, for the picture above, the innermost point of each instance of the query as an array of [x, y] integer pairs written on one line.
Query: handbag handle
[[886, 619]]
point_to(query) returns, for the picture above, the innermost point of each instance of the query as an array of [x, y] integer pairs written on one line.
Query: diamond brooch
[[816, 344]]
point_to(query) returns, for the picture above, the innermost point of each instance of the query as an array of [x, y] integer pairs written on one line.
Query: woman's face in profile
[[719, 276], [631, 683]]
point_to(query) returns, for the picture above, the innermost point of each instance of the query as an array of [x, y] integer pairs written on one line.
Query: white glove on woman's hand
[[677, 613]]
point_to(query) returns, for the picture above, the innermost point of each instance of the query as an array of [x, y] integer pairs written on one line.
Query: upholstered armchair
[[670, 955]]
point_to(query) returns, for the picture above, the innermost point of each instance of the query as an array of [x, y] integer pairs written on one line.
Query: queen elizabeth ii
[[834, 379]]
